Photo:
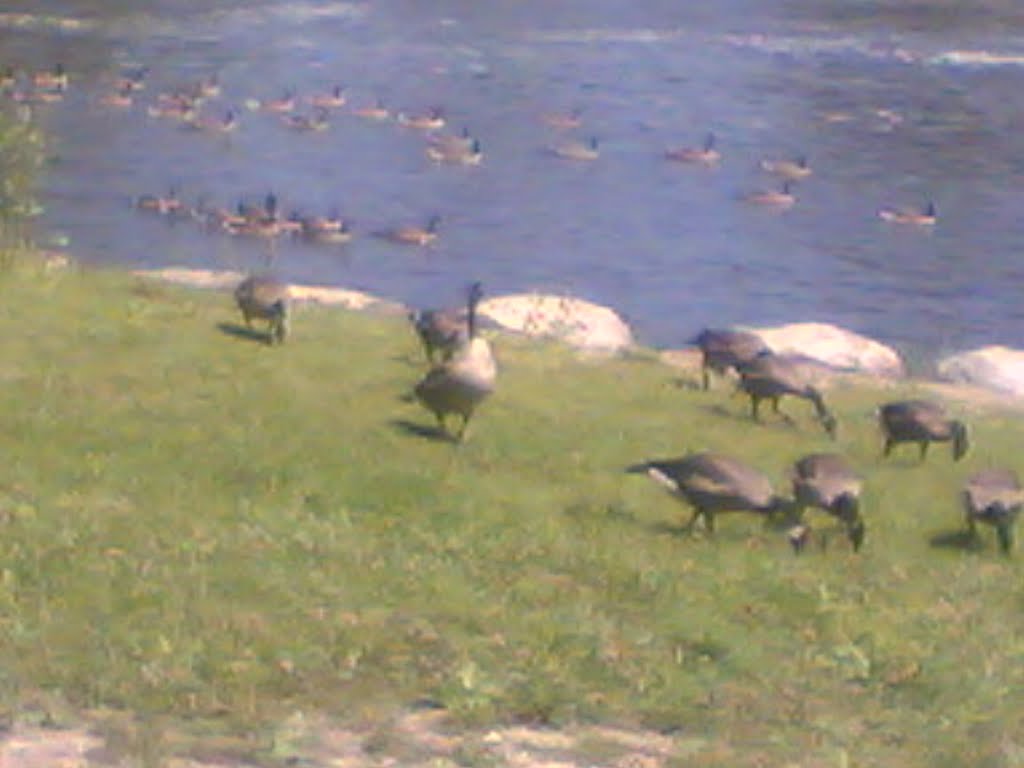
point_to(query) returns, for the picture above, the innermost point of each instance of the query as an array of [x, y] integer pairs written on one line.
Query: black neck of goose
[[828, 421], [960, 441], [474, 299]]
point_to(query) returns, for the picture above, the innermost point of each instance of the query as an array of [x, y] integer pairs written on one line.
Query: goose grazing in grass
[[925, 218], [713, 483], [577, 150], [922, 422], [704, 155], [266, 298], [994, 497], [723, 348], [771, 377], [791, 170], [463, 381], [444, 330], [827, 481]]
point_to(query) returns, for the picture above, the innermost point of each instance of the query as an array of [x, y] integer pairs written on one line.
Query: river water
[[892, 103]]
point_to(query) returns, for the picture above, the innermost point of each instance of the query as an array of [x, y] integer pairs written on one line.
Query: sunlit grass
[[199, 525]]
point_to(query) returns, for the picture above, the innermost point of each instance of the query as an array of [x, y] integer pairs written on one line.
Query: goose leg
[[705, 377], [709, 521], [924, 449], [887, 448], [755, 405], [697, 512]]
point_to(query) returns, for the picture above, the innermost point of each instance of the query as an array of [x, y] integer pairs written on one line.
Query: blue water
[[893, 104]]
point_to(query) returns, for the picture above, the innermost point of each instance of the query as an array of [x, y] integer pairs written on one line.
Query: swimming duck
[[464, 380], [781, 198], [994, 497], [925, 218], [456, 154], [443, 330], [376, 112], [922, 422], [432, 120], [723, 348], [706, 154], [266, 298], [827, 481], [578, 150], [712, 483], [791, 170], [771, 377], [55, 79], [336, 98], [413, 235]]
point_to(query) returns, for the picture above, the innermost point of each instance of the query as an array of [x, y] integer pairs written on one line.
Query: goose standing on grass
[[827, 481], [994, 497], [713, 483], [577, 150], [925, 218], [444, 330], [722, 349], [465, 379], [266, 298], [922, 422], [704, 155], [790, 170], [770, 377]]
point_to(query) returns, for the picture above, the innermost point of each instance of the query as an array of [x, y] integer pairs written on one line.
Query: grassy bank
[[199, 526]]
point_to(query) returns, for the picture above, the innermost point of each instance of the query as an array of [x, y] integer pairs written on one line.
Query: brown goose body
[[922, 422], [994, 497], [265, 298], [713, 483], [771, 377], [826, 481], [725, 348], [444, 330]]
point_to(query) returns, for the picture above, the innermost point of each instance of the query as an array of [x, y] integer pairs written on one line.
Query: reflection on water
[[889, 111]]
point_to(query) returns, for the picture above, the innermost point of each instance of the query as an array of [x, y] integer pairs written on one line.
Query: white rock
[[580, 323], [833, 346], [997, 368]]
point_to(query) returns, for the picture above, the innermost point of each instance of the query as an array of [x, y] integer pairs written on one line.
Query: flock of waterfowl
[[462, 372]]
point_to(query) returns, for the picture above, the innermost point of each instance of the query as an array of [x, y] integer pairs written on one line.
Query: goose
[[925, 218], [413, 235], [770, 377], [577, 150], [705, 155], [266, 298], [225, 124], [827, 481], [723, 349], [376, 112], [713, 483], [132, 80], [922, 422], [257, 221], [167, 204], [778, 198], [336, 98], [444, 330], [445, 141], [120, 99], [325, 229], [993, 496], [564, 121], [456, 154], [55, 79], [791, 170], [318, 121], [432, 120], [463, 381]]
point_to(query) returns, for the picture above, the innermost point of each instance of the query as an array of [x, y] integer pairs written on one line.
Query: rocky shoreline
[[992, 375]]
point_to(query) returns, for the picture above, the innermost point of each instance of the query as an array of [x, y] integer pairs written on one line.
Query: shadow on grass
[[427, 432], [959, 539], [243, 332]]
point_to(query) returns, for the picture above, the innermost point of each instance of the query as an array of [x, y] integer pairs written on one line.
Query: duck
[[779, 198], [167, 204], [705, 155], [224, 124], [827, 481], [318, 121], [713, 483], [771, 377], [443, 330], [332, 100], [578, 150], [432, 120], [464, 380], [564, 121], [922, 218], [922, 422], [993, 496], [266, 298], [456, 153], [790, 170], [725, 348], [52, 79], [413, 235], [376, 112]]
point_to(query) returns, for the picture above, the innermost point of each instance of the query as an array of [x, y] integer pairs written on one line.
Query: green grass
[[217, 533]]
